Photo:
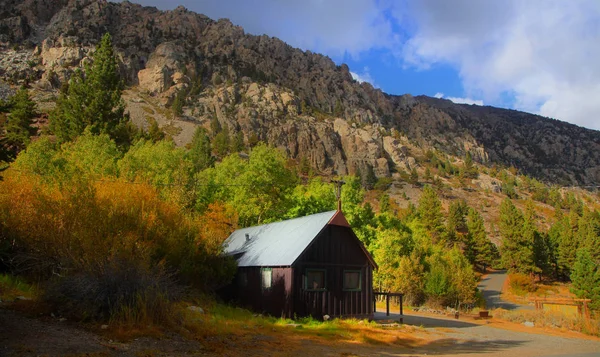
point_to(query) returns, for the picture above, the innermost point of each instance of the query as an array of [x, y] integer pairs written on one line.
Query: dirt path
[[491, 287], [46, 336]]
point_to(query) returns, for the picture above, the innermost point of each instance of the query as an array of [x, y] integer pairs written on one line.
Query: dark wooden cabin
[[308, 266]]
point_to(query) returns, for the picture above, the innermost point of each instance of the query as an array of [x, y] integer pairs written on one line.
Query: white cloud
[[364, 76], [544, 53], [333, 27], [459, 100]]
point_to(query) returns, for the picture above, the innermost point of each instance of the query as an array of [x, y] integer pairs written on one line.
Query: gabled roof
[[280, 243]]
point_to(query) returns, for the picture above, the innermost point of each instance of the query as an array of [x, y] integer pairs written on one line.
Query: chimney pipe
[[247, 237], [338, 193]]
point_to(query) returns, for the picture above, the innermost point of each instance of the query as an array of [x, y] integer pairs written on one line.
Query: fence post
[[387, 305]]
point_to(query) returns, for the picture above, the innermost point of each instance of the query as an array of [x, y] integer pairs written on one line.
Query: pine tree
[[430, 213], [484, 250], [19, 124], [221, 142], [456, 216], [200, 151], [414, 176], [517, 242], [469, 170], [154, 132], [92, 99], [427, 176], [178, 102], [568, 243], [237, 144], [586, 278]]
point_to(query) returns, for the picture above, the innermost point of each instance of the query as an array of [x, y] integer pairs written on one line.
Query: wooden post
[[387, 305], [401, 303], [374, 303]]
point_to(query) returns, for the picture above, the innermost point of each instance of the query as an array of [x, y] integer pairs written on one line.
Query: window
[[315, 279], [352, 280], [267, 278]]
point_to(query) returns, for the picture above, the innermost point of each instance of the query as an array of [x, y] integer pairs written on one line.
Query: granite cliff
[[267, 90]]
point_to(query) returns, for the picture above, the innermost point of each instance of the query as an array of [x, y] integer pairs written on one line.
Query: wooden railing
[[387, 302], [582, 304]]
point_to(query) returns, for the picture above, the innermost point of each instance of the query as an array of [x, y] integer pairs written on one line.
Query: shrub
[[521, 283], [121, 290], [106, 244]]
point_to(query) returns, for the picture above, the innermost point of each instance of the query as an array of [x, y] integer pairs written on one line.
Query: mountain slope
[[267, 90]]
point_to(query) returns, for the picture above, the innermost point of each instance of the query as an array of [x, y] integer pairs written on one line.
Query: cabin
[[307, 266]]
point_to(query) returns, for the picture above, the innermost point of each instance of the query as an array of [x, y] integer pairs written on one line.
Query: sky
[[539, 56]]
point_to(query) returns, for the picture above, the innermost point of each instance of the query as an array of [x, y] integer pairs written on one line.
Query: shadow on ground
[[424, 321], [449, 346]]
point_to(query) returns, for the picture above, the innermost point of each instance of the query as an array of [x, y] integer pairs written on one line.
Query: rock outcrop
[[298, 100]]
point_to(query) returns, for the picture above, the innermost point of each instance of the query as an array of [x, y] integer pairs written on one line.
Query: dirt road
[[491, 287]]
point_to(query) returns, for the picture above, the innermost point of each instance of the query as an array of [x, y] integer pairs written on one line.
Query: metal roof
[[276, 244]]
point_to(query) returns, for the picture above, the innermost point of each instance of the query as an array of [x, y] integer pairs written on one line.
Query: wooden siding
[[335, 250], [276, 301]]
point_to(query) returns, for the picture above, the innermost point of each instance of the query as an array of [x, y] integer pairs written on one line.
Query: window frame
[[307, 270], [360, 273], [262, 282]]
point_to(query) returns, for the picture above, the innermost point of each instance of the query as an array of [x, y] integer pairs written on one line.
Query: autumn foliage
[[82, 231]]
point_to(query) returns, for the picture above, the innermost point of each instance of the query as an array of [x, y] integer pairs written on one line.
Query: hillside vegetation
[[117, 223]]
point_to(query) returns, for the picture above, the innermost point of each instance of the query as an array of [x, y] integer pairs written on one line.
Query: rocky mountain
[[270, 91]]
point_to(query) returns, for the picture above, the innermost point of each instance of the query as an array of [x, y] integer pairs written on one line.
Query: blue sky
[[540, 56]]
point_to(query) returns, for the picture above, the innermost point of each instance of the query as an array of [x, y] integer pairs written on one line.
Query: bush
[[107, 245], [122, 291], [521, 284]]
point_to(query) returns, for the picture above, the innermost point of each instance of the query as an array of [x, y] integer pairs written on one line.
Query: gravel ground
[[438, 335]]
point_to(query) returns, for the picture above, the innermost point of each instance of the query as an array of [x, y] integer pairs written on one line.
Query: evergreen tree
[[456, 225], [92, 99], [586, 278], [237, 144], [19, 123], [517, 244], [484, 250], [200, 152], [588, 232], [414, 176], [154, 132], [221, 142], [469, 170], [384, 203], [427, 176], [368, 179], [430, 213], [567, 242], [538, 241], [215, 126], [179, 102]]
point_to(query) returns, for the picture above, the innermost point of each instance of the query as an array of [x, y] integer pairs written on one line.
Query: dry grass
[[148, 110], [550, 319], [221, 323], [515, 292], [172, 130]]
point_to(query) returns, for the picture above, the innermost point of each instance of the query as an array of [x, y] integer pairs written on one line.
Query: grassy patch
[[171, 130], [148, 110], [11, 287], [222, 323]]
